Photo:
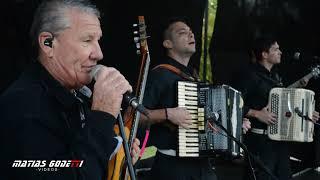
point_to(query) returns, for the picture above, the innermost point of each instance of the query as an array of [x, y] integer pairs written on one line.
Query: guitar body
[[115, 165]]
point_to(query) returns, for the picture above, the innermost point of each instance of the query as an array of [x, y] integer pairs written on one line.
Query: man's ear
[[264, 55], [167, 44], [45, 40]]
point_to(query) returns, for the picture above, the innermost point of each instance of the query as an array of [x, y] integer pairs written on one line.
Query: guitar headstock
[[316, 71], [140, 36]]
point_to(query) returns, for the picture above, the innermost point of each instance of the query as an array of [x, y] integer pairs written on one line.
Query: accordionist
[[255, 85], [161, 98]]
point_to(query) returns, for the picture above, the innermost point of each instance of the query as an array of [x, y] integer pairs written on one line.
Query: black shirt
[[255, 86], [42, 120], [161, 92]]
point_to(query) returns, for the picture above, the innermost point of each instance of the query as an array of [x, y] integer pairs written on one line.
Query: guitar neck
[[142, 80], [299, 83], [136, 119]]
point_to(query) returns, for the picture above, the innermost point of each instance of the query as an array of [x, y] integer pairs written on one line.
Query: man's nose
[[191, 34], [96, 54]]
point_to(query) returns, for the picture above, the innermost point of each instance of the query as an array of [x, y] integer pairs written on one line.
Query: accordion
[[208, 104], [292, 107]]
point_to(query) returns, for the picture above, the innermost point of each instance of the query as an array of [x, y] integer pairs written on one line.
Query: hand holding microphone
[[109, 89], [109, 82]]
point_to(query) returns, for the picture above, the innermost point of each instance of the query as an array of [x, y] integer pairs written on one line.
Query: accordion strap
[[176, 71]]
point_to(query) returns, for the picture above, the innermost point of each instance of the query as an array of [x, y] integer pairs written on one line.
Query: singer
[[43, 118], [128, 98]]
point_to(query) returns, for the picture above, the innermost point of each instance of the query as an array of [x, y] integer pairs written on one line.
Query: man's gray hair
[[51, 16]]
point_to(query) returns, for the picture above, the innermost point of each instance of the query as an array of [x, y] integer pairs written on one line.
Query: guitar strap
[[181, 74], [176, 71]]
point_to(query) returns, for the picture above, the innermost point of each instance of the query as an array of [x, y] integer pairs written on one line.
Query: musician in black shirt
[[161, 98], [255, 87]]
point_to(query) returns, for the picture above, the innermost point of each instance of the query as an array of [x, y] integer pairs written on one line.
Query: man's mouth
[[89, 68]]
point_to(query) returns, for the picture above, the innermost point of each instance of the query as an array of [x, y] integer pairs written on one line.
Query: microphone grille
[[95, 70], [296, 56], [215, 115]]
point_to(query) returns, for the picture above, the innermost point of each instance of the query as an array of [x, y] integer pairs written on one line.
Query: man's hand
[[135, 150], [179, 116], [265, 116], [315, 116], [246, 125], [108, 90], [304, 82]]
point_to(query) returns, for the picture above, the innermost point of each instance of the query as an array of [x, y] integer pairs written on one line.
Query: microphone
[[296, 110], [128, 98], [214, 116], [299, 57], [296, 56], [300, 114]]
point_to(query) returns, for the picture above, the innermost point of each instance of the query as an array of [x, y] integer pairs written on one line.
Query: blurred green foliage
[[212, 9]]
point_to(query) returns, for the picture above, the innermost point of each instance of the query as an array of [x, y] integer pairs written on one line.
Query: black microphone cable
[[306, 117], [249, 154]]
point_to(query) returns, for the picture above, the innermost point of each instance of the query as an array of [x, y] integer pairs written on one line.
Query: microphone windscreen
[[296, 56], [216, 115], [95, 70]]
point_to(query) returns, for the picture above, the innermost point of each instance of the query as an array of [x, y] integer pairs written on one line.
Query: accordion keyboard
[[189, 138]]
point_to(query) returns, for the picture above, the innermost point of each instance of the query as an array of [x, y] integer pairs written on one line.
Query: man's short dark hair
[[262, 44], [166, 28]]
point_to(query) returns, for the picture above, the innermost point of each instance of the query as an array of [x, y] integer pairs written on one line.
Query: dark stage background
[[238, 22]]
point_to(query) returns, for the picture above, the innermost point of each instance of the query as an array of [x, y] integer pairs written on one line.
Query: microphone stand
[[306, 117], [309, 119], [250, 155], [126, 148]]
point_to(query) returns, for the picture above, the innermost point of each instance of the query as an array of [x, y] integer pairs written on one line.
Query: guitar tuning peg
[[144, 37], [136, 39], [138, 52], [135, 25], [137, 45]]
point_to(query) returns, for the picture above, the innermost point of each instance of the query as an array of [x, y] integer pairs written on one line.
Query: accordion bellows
[[208, 106]]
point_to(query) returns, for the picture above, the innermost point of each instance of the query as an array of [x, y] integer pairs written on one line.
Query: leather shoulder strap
[[176, 71]]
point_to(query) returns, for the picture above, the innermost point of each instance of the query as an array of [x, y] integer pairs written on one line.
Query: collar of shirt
[[262, 69], [272, 75], [176, 64], [53, 87]]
